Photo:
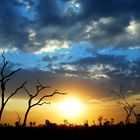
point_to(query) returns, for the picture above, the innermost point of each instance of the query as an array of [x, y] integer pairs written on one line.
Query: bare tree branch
[[4, 78], [27, 92], [7, 80], [5, 62], [129, 108], [18, 117], [12, 94], [12, 73], [50, 95], [39, 88], [41, 103]]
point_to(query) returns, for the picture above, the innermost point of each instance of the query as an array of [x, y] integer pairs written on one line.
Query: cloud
[[108, 71], [28, 25], [7, 50], [13, 26], [100, 77], [100, 23], [116, 61], [111, 8], [52, 45]]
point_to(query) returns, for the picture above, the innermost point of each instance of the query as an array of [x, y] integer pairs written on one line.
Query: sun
[[71, 107]]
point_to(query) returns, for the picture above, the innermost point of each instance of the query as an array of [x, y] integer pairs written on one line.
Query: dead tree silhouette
[[17, 123], [127, 106], [4, 79], [39, 88], [137, 116], [100, 120]]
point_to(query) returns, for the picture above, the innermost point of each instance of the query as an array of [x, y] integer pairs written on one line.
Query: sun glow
[[71, 107]]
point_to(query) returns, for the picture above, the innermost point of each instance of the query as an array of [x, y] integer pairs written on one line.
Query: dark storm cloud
[[101, 23], [74, 28], [51, 14], [12, 26], [116, 61], [106, 70], [98, 8]]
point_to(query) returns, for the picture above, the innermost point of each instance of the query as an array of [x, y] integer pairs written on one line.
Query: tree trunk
[[2, 98], [127, 119], [25, 117], [1, 111]]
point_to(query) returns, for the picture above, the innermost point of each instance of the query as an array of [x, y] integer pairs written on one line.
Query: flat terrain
[[72, 133]]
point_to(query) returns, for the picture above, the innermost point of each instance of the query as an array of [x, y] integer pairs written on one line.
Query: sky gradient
[[83, 47]]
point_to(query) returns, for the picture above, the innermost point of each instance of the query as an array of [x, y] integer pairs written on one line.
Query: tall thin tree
[[39, 88], [4, 79]]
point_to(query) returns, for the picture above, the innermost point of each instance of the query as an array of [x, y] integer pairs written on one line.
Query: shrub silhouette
[[32, 124], [86, 123], [66, 123]]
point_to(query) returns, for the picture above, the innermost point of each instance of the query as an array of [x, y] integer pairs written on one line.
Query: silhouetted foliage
[[121, 123], [94, 123], [32, 124], [112, 121], [47, 122], [106, 122], [17, 124], [75, 132], [66, 122], [4, 79], [86, 123]]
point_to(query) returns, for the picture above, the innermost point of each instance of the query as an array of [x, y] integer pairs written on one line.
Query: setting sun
[[71, 107], [69, 68]]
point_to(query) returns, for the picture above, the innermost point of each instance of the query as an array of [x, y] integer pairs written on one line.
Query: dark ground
[[72, 133]]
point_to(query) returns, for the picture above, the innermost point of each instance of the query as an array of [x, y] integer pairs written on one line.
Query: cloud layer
[[27, 25]]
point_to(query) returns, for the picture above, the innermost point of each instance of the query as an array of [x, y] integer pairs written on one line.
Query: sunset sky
[[83, 47]]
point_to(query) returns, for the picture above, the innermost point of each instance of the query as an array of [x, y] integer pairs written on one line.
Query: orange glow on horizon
[[74, 107]]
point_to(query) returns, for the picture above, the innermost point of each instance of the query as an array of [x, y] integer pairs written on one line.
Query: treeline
[[72, 132]]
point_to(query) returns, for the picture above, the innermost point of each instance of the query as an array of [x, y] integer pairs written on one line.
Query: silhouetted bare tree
[[137, 116], [39, 88], [121, 99], [100, 120], [112, 121], [4, 78], [17, 123]]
